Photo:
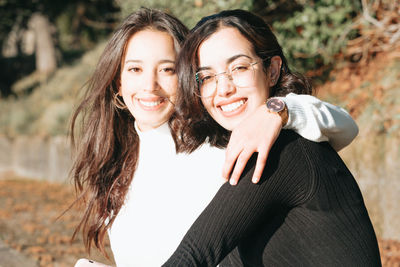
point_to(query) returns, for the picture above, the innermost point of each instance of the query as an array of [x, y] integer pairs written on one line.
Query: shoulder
[[291, 144], [288, 146], [286, 153], [292, 155]]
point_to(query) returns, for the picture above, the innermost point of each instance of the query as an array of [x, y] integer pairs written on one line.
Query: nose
[[224, 85], [150, 81]]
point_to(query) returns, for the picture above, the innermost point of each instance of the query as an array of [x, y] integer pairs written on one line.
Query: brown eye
[[134, 69], [168, 70], [204, 77], [240, 68]]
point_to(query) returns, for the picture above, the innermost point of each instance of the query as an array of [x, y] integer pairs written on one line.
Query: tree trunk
[[46, 61], [10, 45]]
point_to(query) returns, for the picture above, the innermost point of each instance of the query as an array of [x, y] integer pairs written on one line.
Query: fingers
[[260, 165], [232, 152], [228, 165], [239, 166]]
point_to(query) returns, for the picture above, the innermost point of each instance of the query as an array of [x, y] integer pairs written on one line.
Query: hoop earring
[[118, 102]]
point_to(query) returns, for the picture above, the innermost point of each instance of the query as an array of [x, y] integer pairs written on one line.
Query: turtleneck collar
[[162, 130]]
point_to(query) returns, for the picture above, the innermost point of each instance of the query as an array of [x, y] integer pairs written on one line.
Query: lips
[[152, 103], [232, 108]]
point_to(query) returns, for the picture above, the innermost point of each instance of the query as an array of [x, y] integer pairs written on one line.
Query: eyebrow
[[228, 61], [141, 61]]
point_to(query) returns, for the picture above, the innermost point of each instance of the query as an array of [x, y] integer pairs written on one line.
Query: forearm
[[320, 121]]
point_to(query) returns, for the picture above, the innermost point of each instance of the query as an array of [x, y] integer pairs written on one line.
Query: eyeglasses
[[241, 74]]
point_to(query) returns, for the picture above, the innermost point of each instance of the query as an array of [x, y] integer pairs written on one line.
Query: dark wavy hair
[[193, 123], [107, 143]]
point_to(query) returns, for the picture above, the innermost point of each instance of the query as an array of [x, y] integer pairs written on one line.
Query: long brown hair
[[193, 122], [107, 145]]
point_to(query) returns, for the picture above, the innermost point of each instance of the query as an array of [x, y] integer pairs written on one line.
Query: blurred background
[[350, 48]]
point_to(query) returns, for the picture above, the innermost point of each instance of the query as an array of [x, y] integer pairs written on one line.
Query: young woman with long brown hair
[[307, 209], [135, 186]]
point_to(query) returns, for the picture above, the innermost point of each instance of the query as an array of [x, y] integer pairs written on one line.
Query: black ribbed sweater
[[307, 210]]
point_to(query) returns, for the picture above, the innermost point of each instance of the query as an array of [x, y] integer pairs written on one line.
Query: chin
[[230, 126]]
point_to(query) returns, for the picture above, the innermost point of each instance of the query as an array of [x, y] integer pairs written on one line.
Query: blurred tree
[[276, 10], [53, 31], [311, 32], [46, 61]]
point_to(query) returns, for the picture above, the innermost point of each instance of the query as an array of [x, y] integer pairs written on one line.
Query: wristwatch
[[277, 105]]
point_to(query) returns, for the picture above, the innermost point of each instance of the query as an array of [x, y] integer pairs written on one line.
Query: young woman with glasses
[[126, 168], [307, 209]]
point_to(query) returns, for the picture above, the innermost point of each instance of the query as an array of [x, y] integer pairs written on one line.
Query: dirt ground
[[29, 224]]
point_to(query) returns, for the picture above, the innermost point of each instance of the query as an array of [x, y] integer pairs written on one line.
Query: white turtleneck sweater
[[167, 194], [169, 191]]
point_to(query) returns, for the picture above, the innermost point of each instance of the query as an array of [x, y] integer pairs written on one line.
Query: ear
[[274, 70]]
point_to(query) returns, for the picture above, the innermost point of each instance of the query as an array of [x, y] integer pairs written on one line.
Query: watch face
[[275, 104]]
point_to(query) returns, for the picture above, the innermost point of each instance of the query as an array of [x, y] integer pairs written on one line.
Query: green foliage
[[83, 23], [312, 36], [188, 11]]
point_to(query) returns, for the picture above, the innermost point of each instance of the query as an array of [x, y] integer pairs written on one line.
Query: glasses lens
[[206, 83], [242, 74]]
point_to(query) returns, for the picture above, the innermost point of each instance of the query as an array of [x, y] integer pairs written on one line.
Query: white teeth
[[232, 106], [150, 104]]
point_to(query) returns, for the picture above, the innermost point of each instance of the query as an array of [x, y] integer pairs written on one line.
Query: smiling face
[[148, 78], [222, 51]]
